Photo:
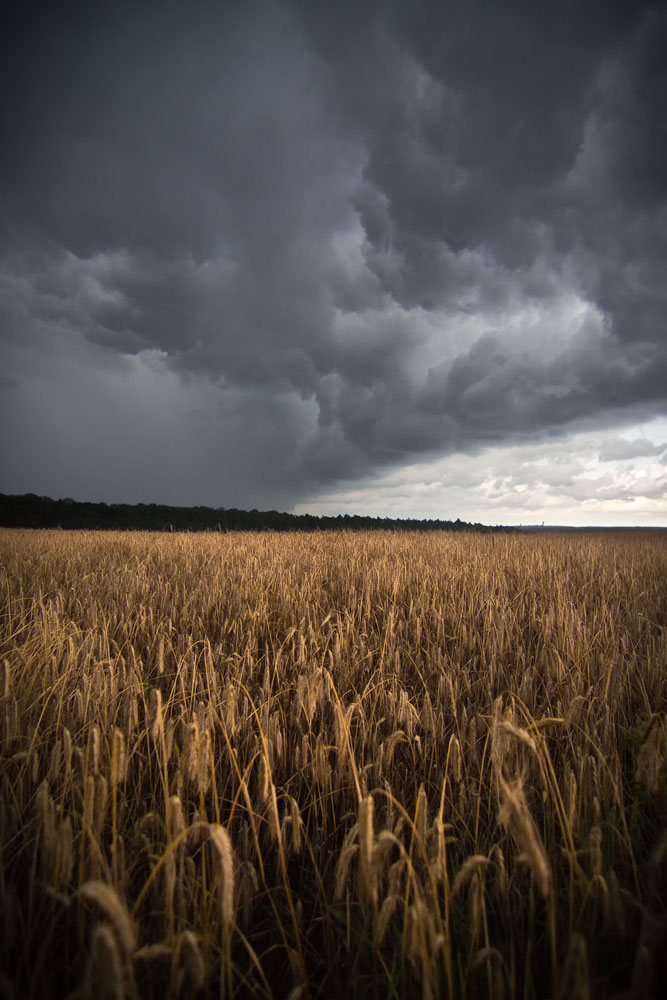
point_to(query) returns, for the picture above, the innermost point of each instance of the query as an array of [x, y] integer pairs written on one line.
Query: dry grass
[[333, 765]]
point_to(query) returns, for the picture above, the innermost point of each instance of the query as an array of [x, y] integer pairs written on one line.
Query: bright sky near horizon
[[388, 257]]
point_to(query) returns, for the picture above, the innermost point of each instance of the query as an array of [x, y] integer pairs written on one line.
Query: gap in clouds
[[587, 478]]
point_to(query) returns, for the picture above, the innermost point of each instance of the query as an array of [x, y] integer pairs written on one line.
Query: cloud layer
[[309, 242]]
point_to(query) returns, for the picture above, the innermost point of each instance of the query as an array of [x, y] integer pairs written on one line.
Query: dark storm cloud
[[404, 227]]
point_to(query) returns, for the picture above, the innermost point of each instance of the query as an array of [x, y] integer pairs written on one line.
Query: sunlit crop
[[333, 765]]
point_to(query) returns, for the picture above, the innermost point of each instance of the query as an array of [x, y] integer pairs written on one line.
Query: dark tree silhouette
[[31, 511]]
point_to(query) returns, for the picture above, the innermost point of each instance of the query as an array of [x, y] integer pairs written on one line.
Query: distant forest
[[31, 511]]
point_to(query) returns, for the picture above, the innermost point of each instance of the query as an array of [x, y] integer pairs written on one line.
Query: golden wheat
[[333, 765]]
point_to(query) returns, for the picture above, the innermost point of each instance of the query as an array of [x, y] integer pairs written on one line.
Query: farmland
[[333, 764]]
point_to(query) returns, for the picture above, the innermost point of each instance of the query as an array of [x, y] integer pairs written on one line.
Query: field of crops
[[333, 765]]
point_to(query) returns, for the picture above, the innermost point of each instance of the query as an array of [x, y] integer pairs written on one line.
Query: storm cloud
[[252, 251]]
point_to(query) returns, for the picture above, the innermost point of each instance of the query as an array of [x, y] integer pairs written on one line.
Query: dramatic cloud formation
[[270, 252], [566, 480]]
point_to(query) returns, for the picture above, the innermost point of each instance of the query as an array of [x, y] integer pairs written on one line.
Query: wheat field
[[333, 765]]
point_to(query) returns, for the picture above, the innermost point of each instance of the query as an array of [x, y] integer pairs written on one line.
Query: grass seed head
[[514, 814], [467, 870], [105, 979], [223, 846], [114, 909], [190, 956], [155, 713]]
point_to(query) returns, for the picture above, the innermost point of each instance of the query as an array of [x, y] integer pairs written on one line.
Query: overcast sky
[[396, 257]]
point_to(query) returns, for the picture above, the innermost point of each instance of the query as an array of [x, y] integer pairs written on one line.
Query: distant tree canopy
[[31, 511]]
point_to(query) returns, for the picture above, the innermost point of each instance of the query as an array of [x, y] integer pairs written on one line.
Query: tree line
[[32, 511]]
